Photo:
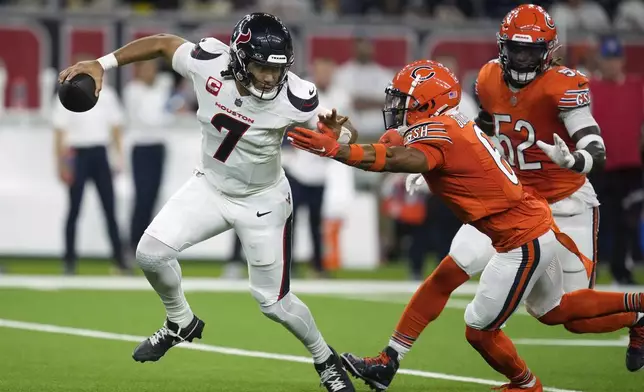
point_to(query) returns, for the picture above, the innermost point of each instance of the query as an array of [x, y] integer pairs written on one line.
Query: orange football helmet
[[527, 41], [422, 89]]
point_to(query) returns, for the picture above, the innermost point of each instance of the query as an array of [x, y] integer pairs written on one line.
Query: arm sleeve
[[577, 120]]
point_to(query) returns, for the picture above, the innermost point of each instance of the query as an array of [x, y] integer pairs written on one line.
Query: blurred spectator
[[365, 81], [358, 7], [3, 85], [573, 15], [410, 237], [339, 193], [307, 172], [630, 15], [146, 103], [618, 107], [339, 184], [82, 141], [449, 11], [286, 9]]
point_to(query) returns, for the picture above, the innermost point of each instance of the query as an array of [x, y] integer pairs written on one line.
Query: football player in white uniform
[[247, 98]]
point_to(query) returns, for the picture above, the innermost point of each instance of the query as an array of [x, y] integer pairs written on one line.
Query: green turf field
[[81, 340]]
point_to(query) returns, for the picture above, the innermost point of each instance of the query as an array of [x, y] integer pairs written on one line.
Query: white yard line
[[623, 342], [229, 351], [119, 283]]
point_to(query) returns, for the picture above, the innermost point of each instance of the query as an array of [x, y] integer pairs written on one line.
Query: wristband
[[108, 61]]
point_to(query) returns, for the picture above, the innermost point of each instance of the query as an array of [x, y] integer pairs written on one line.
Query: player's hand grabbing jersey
[[242, 136], [476, 182], [556, 102]]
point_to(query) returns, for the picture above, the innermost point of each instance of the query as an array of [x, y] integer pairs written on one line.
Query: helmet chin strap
[[266, 95]]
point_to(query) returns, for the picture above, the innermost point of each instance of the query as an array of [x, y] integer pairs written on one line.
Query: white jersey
[[242, 135]]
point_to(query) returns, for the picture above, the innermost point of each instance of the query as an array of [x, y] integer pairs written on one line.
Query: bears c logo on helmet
[[423, 73]]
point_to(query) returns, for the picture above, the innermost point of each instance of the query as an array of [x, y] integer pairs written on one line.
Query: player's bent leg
[[158, 262], [424, 307], [506, 281], [192, 215], [267, 240], [470, 251], [582, 228]]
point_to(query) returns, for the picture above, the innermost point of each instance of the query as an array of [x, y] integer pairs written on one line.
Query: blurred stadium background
[[381, 231]]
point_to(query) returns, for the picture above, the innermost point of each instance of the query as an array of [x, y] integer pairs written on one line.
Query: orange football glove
[[314, 142], [391, 138], [327, 130]]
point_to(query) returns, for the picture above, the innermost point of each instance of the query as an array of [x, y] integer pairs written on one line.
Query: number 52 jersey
[[241, 135], [534, 112]]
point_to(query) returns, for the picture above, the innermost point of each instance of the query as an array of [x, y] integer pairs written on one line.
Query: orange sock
[[587, 303], [602, 324], [427, 303], [499, 352]]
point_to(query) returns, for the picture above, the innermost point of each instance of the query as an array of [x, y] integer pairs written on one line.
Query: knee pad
[[152, 253], [471, 250], [477, 319]]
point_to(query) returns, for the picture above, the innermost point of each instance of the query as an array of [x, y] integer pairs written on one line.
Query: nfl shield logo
[[238, 102], [452, 94]]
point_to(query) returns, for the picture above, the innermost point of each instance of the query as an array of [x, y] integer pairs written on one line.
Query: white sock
[[161, 268], [399, 348], [319, 350]]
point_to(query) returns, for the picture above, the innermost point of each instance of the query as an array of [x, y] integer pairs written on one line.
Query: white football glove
[[558, 153], [414, 183]]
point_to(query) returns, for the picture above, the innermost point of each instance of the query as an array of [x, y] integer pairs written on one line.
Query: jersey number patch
[[236, 130], [496, 155], [519, 126]]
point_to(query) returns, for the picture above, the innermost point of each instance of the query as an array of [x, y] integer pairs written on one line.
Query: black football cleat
[[168, 336], [635, 351], [333, 376], [377, 372]]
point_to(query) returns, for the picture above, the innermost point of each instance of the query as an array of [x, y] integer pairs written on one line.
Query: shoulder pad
[[431, 131], [302, 94], [208, 49], [568, 88], [484, 74]]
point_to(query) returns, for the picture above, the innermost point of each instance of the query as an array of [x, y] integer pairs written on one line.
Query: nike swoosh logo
[[311, 91], [582, 84], [259, 215], [319, 149]]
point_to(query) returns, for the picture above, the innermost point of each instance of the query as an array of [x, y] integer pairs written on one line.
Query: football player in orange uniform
[[461, 165], [533, 103]]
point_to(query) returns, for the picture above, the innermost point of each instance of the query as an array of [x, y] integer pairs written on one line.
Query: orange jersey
[[476, 182], [532, 113]]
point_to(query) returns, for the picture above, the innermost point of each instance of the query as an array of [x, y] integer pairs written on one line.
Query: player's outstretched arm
[[590, 153], [370, 157], [146, 48]]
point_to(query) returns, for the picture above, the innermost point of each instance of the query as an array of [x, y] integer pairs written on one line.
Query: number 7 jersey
[[523, 116], [241, 135]]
